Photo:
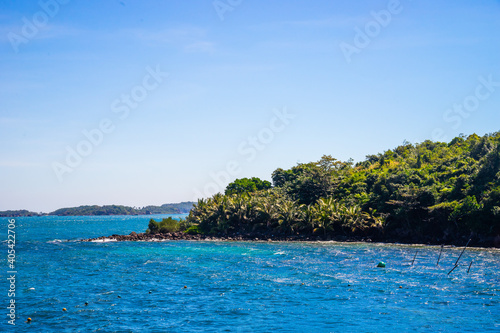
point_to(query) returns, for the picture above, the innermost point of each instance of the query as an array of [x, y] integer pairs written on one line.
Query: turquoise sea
[[182, 286]]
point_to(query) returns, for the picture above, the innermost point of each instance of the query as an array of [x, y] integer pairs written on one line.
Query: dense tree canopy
[[246, 185], [177, 208], [432, 192]]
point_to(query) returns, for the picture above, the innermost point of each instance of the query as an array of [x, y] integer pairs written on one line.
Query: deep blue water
[[238, 286]]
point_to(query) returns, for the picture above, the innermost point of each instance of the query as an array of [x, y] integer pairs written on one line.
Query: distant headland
[[170, 208]]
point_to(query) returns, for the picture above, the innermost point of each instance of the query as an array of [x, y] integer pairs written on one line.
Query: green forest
[[431, 192], [178, 208], [172, 208]]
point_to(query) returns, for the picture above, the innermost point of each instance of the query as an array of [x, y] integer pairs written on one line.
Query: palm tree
[[290, 215], [327, 214], [311, 217], [221, 212], [239, 211], [352, 218], [199, 213], [266, 209]]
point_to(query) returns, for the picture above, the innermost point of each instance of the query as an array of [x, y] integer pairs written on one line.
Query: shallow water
[[240, 286]]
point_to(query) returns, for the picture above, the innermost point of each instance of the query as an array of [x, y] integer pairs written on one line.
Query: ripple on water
[[244, 286]]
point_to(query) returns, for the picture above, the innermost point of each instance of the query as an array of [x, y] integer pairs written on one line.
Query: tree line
[[431, 192], [173, 208]]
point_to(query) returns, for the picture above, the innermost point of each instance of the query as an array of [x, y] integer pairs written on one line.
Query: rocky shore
[[137, 237], [144, 237]]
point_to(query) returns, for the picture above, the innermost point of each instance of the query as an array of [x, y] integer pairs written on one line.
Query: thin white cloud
[[19, 85], [172, 35], [189, 39], [17, 121], [200, 47], [330, 22], [50, 31], [421, 41], [53, 31], [20, 164]]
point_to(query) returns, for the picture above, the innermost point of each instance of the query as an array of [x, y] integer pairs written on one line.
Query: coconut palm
[[328, 214], [290, 215], [266, 212], [311, 217], [352, 218], [239, 211]]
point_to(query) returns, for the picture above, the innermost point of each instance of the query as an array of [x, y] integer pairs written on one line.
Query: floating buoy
[[64, 309], [381, 264], [302, 283], [86, 303], [401, 287], [28, 320], [185, 287]]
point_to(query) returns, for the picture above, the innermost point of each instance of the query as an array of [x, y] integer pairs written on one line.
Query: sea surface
[[208, 286]]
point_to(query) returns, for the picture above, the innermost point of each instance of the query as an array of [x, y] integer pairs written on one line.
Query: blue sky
[[180, 97]]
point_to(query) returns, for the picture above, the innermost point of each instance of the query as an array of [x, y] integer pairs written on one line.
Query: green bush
[[193, 230], [153, 227], [168, 225], [184, 225]]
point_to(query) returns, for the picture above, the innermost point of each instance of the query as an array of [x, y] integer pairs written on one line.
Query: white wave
[[105, 240], [55, 241]]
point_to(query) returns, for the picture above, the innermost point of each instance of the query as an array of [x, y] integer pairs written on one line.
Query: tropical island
[[431, 193], [171, 208]]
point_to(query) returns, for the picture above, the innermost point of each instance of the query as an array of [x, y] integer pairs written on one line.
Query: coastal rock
[[181, 236]]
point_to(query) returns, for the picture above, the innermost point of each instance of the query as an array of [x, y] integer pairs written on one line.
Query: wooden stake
[[456, 263], [469, 266], [437, 264], [414, 258], [452, 269]]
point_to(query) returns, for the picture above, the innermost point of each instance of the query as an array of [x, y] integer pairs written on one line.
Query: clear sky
[[150, 102]]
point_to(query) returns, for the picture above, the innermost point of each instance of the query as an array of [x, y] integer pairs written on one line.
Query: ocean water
[[182, 286]]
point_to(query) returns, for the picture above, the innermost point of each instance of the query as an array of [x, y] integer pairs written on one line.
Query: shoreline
[[180, 236]]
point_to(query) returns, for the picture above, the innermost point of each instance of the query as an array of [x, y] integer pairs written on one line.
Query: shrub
[[193, 230], [168, 225], [153, 227]]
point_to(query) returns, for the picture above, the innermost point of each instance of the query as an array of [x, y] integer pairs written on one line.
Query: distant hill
[[17, 213], [173, 208]]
